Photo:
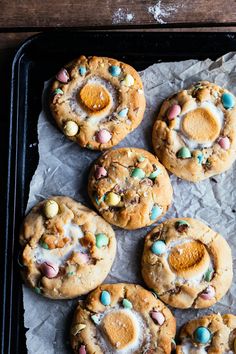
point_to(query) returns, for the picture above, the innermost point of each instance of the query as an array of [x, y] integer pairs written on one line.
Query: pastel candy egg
[[105, 298], [208, 275], [101, 240], [96, 319], [208, 293], [115, 70], [112, 199], [200, 158], [184, 153], [128, 80], [51, 209], [154, 174], [138, 173], [71, 128], [158, 317], [158, 247], [63, 76], [83, 257], [57, 91], [127, 304], [228, 100], [100, 172], [173, 111], [103, 136], [82, 349], [49, 269], [156, 211], [202, 335], [224, 143], [82, 70], [123, 112]]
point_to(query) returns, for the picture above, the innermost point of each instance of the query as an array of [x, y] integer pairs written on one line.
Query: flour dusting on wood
[[122, 16], [160, 11]]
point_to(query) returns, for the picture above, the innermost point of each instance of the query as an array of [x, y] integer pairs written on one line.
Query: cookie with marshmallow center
[[194, 135], [187, 264], [67, 249], [130, 188], [97, 101], [214, 333], [124, 319]]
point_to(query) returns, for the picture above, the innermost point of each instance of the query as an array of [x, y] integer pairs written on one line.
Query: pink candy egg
[[82, 349], [49, 269], [84, 257], [158, 317], [100, 172], [208, 294], [103, 136], [63, 76], [173, 111], [224, 143]]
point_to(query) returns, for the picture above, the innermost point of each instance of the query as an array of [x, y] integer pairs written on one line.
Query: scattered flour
[[160, 11], [122, 15]]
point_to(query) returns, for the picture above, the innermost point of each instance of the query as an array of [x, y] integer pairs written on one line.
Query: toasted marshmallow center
[[201, 125], [95, 98], [189, 259], [121, 329]]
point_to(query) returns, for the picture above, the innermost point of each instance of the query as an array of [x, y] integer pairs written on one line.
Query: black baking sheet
[[38, 59]]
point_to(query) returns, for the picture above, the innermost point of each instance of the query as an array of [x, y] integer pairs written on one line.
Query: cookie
[[97, 101], [187, 263], [122, 318], [194, 135], [68, 249], [130, 188], [214, 333]]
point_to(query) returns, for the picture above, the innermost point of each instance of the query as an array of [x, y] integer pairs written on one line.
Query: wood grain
[[62, 13]]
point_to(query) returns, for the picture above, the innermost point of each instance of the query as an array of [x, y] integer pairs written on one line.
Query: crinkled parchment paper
[[63, 169]]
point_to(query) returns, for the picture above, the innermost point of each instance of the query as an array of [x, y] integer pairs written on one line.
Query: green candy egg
[[138, 173], [127, 304], [101, 240], [208, 275], [154, 174], [184, 153]]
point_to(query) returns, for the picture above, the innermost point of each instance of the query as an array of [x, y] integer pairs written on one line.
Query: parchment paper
[[63, 170]]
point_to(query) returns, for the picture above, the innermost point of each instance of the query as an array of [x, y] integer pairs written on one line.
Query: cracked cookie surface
[[214, 333], [68, 249], [97, 101], [187, 263], [122, 318], [130, 188], [194, 135]]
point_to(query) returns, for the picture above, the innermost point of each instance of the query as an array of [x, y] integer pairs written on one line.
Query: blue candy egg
[[115, 70], [156, 211], [158, 247], [228, 100], [105, 298], [202, 335], [123, 112], [82, 70], [200, 158]]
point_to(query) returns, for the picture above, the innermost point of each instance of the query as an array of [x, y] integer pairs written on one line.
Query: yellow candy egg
[[51, 209], [71, 128], [112, 199]]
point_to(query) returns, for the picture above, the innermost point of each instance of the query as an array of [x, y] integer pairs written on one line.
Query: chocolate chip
[[135, 200], [156, 235], [181, 226]]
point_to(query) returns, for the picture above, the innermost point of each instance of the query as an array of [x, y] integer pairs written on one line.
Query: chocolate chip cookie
[[187, 263], [97, 101], [130, 188], [194, 135], [68, 249]]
